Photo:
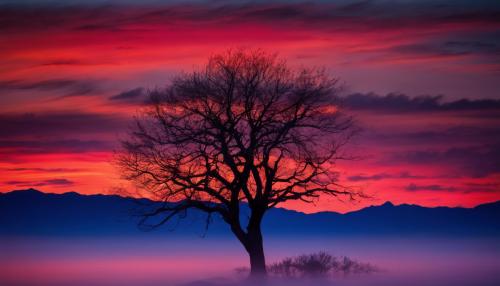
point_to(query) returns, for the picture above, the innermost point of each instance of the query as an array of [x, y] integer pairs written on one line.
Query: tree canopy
[[245, 128]]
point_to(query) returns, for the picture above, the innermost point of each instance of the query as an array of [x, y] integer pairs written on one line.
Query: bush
[[319, 264]]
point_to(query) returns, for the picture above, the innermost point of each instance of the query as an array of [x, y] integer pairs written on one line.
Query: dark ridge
[[34, 213]]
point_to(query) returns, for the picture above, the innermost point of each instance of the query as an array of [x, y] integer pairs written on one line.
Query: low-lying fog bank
[[212, 261]]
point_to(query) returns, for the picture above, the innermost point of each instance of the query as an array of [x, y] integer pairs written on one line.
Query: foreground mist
[[212, 261]]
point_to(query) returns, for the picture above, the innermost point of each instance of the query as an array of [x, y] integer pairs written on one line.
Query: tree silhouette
[[244, 129]]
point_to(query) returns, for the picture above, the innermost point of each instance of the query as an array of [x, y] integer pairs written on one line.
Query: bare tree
[[245, 129]]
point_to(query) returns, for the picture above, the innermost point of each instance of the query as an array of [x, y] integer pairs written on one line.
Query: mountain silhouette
[[34, 213]]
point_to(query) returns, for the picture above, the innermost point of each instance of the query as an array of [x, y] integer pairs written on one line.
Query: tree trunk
[[253, 243], [255, 249]]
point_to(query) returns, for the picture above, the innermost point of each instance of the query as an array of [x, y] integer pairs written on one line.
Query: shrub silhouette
[[320, 264]]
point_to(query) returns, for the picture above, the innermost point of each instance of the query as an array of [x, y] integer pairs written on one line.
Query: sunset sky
[[421, 77]]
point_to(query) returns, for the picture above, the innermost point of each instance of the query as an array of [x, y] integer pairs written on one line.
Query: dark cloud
[[383, 176], [424, 50], [133, 95], [461, 47], [280, 12], [472, 47], [15, 147], [473, 134], [476, 161], [42, 85], [61, 123], [394, 102], [50, 182], [68, 87], [414, 188]]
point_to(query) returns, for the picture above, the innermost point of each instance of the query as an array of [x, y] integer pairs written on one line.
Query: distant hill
[[33, 213]]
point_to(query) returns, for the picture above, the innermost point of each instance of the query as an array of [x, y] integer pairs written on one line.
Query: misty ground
[[212, 260]]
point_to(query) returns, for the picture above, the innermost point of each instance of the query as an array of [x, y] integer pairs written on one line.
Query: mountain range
[[34, 213]]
